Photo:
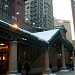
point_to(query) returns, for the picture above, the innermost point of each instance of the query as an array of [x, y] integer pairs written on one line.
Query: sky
[[62, 10]]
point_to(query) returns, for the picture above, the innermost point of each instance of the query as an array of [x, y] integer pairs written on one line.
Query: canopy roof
[[51, 35], [47, 36]]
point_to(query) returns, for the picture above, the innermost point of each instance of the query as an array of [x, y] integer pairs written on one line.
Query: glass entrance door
[[3, 62]]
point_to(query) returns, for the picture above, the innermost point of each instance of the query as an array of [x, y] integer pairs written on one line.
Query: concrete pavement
[[64, 72], [70, 72]]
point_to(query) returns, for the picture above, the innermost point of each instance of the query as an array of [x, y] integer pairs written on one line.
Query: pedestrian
[[67, 65], [50, 66], [19, 67], [72, 65], [27, 67]]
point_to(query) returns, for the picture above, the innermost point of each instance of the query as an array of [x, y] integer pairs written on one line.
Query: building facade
[[18, 45], [39, 13], [14, 12], [66, 23], [73, 13]]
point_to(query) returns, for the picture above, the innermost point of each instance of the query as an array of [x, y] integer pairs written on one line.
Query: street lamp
[[17, 13], [1, 43], [33, 23], [26, 20], [15, 26], [39, 27]]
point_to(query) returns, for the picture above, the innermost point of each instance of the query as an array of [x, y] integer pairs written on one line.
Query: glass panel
[[0, 63], [5, 56], [5, 64], [0, 56], [0, 60], [6, 0]]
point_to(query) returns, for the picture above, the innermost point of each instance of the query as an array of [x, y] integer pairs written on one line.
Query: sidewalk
[[64, 72]]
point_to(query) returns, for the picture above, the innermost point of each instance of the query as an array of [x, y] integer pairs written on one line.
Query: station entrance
[[4, 57]]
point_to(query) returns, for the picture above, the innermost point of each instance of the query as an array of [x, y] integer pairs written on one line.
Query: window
[[28, 7], [6, 0], [74, 5], [5, 7]]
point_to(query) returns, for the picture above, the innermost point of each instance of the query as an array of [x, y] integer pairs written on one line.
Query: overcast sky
[[62, 10]]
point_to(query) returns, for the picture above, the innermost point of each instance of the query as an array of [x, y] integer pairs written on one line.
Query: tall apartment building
[[73, 11], [73, 14], [67, 25], [39, 13]]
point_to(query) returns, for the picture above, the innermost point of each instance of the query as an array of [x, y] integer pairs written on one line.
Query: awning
[[51, 35], [47, 37]]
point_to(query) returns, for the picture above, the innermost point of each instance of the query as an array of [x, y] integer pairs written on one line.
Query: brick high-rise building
[[14, 12]]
